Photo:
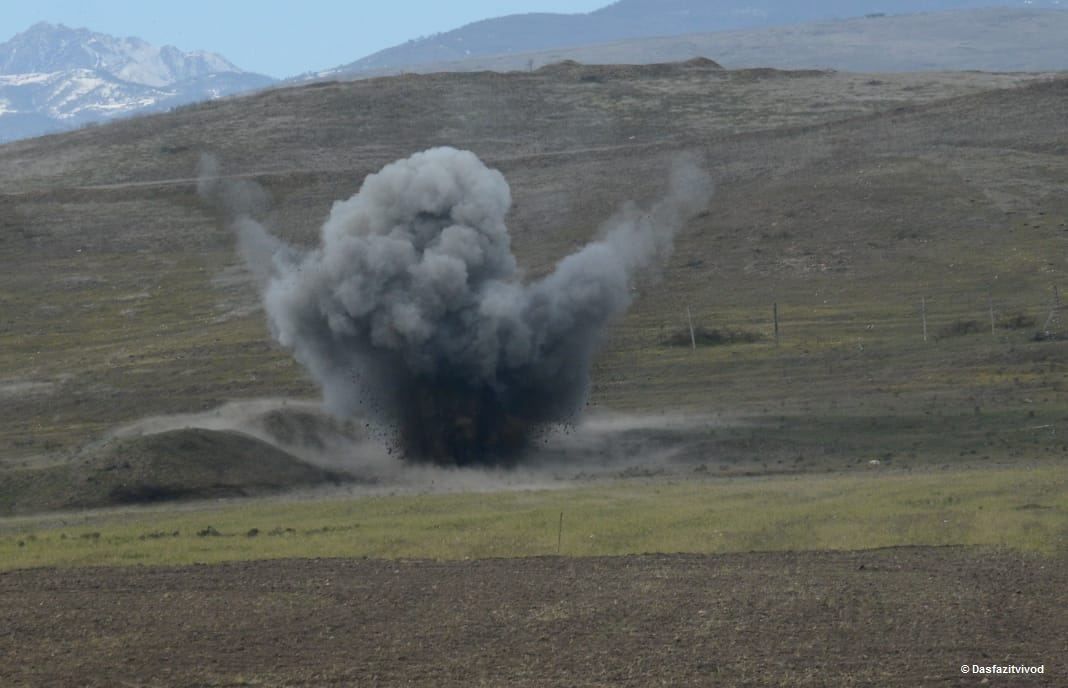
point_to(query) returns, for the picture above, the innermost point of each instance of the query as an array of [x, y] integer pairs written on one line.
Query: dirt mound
[[702, 63], [297, 428], [570, 69], [174, 465]]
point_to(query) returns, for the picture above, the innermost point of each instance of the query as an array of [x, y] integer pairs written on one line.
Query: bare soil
[[897, 617]]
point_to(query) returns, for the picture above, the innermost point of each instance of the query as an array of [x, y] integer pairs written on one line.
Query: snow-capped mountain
[[53, 77]]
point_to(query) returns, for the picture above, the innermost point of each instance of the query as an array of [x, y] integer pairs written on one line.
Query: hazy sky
[[275, 37]]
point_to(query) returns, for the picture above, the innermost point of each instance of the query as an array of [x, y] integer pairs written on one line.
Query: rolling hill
[[629, 19], [996, 39], [846, 199]]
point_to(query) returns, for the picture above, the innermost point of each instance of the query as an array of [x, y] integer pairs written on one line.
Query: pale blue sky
[[276, 37]]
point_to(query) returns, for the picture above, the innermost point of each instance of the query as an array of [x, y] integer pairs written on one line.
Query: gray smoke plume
[[412, 310]]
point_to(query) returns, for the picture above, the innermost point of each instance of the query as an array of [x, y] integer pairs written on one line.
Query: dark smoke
[[412, 310]]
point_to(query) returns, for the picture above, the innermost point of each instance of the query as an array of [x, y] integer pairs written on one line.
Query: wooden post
[[1052, 317], [560, 533], [990, 303], [775, 316], [693, 339], [923, 311]]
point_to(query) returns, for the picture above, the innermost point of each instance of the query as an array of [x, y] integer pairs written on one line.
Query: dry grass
[[1023, 509], [845, 202]]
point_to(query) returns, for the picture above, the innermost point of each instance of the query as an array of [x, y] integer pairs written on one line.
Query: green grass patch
[[1024, 509]]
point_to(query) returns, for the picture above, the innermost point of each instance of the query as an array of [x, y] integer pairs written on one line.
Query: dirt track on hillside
[[898, 617]]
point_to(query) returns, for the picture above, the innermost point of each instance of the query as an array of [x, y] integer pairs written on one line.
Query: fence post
[[923, 312], [693, 339], [1051, 319], [990, 304], [560, 533]]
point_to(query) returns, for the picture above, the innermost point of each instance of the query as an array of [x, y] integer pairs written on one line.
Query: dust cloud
[[412, 310]]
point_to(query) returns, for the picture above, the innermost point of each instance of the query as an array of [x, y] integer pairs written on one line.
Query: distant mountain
[[992, 39], [628, 19], [53, 77]]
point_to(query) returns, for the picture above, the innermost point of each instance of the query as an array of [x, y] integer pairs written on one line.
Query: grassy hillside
[[845, 199], [1021, 509]]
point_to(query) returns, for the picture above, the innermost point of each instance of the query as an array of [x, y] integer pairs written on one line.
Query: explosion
[[412, 309]]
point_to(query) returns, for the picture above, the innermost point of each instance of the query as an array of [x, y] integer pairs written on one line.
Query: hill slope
[[988, 39], [629, 19], [846, 199]]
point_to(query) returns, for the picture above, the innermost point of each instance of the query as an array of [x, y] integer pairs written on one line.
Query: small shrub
[[156, 535], [960, 328], [1018, 321], [712, 337], [1041, 336]]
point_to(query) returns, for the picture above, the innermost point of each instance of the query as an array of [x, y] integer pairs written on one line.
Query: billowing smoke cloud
[[412, 309]]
